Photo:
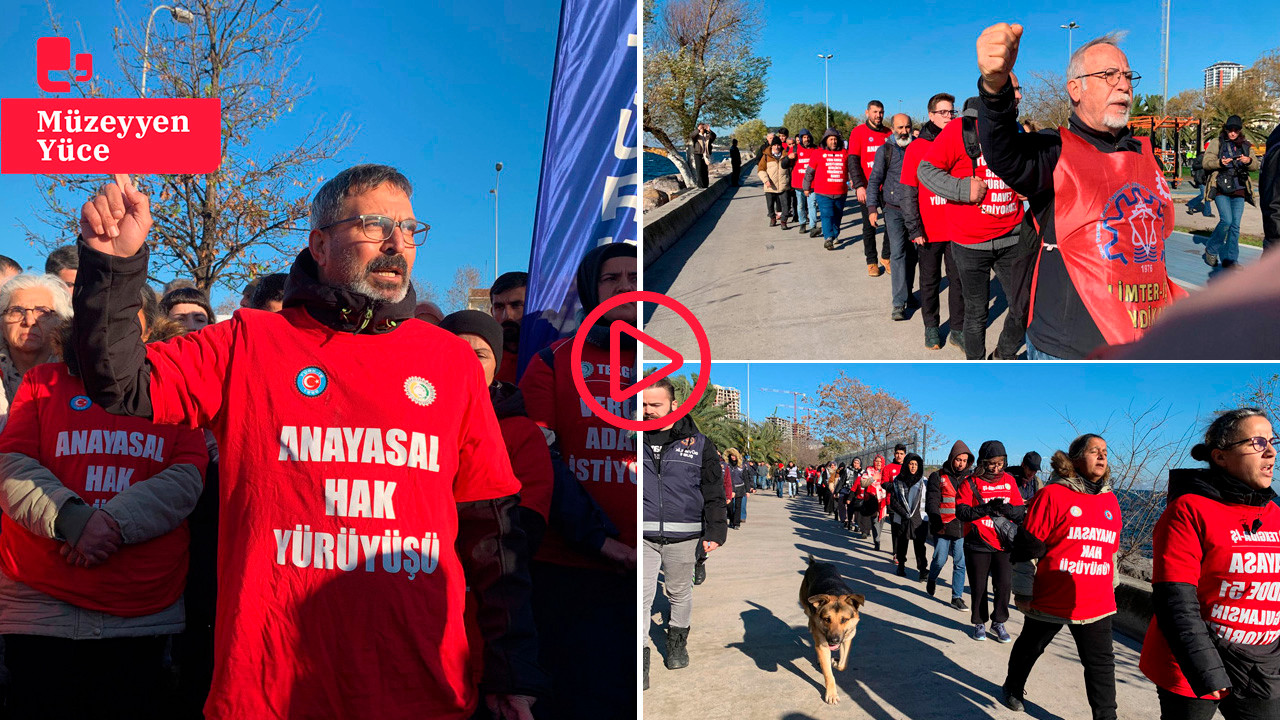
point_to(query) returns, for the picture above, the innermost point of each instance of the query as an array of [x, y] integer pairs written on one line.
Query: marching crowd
[[335, 503], [1072, 221], [1051, 546]]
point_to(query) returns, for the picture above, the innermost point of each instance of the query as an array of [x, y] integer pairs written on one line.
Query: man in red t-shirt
[[983, 215], [864, 141], [925, 215], [365, 490]]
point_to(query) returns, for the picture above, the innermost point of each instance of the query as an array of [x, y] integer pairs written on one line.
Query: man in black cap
[[1025, 474]]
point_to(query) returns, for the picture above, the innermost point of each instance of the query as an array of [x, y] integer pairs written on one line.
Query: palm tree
[[711, 419], [1247, 98]]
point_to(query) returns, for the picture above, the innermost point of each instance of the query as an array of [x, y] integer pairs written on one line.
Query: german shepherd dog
[[833, 617]]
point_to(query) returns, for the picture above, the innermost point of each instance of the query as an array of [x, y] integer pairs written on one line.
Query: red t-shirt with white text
[[863, 144], [1000, 211], [1236, 572], [343, 459], [1082, 531], [97, 455]]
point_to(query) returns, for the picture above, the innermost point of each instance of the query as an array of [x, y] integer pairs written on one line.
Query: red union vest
[[1112, 214], [804, 156], [947, 506], [933, 209], [831, 171], [97, 455]]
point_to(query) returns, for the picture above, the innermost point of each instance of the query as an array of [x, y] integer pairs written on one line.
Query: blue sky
[[912, 51], [458, 87], [1016, 403]]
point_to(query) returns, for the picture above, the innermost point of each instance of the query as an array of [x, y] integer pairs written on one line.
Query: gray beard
[[902, 141], [361, 286]]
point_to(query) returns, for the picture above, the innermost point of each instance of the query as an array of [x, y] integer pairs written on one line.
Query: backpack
[[969, 132]]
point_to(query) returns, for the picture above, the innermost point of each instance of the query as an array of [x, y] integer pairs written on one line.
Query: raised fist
[[117, 221], [997, 52]]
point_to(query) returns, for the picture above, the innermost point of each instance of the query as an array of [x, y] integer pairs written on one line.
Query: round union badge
[[420, 391], [81, 402], [1107, 513], [587, 369], [312, 381], [1076, 511]]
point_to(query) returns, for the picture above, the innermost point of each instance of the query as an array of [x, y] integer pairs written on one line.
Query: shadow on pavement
[[773, 644]]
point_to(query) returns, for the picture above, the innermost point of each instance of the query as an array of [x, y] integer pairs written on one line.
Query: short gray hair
[[353, 181], [52, 283], [1075, 68]]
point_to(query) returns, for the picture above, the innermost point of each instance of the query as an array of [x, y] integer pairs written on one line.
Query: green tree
[[699, 66], [814, 119], [766, 443], [240, 220], [750, 135], [1246, 97]]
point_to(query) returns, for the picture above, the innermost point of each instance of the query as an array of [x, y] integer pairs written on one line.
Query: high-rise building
[[783, 425], [730, 398], [1221, 74]]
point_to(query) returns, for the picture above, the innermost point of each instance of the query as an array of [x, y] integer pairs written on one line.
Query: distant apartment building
[[730, 399], [1221, 74]]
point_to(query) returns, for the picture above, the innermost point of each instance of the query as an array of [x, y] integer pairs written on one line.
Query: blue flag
[[589, 192]]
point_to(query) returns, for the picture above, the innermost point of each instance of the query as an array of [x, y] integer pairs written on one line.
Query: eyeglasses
[[1259, 444], [1112, 76], [944, 113], [380, 227], [16, 314]]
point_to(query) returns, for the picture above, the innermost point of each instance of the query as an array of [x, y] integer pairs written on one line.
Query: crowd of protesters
[[343, 490], [989, 195], [1051, 543]]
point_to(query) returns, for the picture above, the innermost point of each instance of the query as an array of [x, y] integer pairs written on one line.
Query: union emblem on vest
[[1136, 208]]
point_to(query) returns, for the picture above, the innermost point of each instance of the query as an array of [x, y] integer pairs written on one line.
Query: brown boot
[[886, 267], [773, 222], [875, 270], [784, 224]]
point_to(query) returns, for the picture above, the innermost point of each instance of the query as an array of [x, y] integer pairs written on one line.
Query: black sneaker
[[959, 604], [830, 244], [924, 575], [816, 231], [900, 313], [902, 572], [699, 572], [804, 227], [931, 587], [1012, 700]]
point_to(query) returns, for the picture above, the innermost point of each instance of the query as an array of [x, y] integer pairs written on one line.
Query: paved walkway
[[765, 294], [752, 656]]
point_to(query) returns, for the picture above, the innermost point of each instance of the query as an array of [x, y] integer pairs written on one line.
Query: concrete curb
[[664, 226], [1133, 608]]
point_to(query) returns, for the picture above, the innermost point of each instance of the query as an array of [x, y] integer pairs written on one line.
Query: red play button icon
[[675, 360]]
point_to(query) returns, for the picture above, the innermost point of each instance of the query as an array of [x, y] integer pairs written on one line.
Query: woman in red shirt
[[1073, 529], [1214, 641], [989, 493]]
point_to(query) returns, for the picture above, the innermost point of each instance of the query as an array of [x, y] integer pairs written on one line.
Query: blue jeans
[[743, 512], [1225, 241], [832, 209], [801, 206], [949, 548], [811, 201], [1197, 205], [1034, 354], [902, 255]]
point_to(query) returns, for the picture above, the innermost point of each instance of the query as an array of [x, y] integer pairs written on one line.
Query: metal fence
[[915, 442]]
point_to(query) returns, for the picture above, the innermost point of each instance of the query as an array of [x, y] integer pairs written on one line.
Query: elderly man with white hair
[[33, 309], [1100, 202]]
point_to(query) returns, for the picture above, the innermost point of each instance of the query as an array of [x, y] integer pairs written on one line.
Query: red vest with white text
[[830, 175], [1112, 215], [97, 455], [1082, 533], [804, 156]]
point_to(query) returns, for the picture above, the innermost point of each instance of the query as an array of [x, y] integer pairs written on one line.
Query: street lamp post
[[497, 175], [1069, 27], [826, 86], [179, 14]]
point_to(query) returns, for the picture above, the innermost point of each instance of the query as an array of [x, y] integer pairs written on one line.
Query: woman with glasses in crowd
[[33, 308], [1214, 641], [1072, 531]]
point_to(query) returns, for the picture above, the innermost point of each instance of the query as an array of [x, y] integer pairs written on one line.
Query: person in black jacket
[[907, 503], [1074, 314], [684, 505], [947, 530], [1269, 191], [885, 192], [735, 161]]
